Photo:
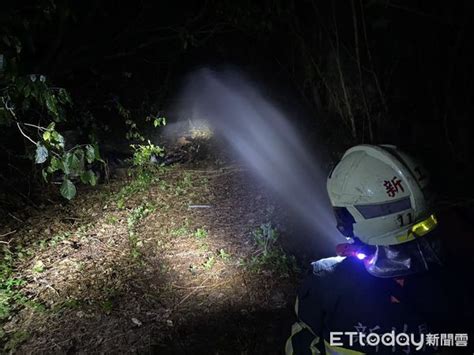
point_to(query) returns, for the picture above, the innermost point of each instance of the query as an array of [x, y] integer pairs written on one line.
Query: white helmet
[[379, 196]]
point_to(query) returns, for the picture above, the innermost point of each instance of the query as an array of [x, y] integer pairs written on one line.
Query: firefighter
[[390, 277]]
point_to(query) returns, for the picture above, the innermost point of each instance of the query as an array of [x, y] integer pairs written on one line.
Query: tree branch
[[25, 135]]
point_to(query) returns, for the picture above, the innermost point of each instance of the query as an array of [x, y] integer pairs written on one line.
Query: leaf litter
[[181, 286]]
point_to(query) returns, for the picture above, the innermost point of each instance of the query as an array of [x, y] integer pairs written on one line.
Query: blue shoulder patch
[[326, 264]]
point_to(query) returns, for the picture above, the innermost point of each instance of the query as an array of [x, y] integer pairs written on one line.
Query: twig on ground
[[73, 218], [16, 218], [48, 286], [192, 292], [4, 235], [217, 172], [106, 246], [203, 286]]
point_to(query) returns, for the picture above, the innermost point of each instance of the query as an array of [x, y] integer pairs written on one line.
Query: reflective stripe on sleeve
[[296, 328], [337, 350]]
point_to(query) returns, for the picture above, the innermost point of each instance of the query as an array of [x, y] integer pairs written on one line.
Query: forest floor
[[184, 263]]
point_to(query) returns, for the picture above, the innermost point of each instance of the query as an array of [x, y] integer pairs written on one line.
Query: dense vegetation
[[363, 71]]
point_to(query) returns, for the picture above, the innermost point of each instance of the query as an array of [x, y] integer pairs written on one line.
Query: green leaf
[[85, 177], [90, 153], [54, 165], [51, 105], [97, 154], [89, 177], [27, 91], [47, 136], [64, 96], [75, 162], [65, 163], [45, 175], [160, 121], [93, 179], [57, 138], [38, 267], [79, 153], [41, 154], [68, 190]]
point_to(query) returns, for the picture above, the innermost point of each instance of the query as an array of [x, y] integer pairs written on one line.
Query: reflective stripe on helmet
[[383, 209], [419, 229]]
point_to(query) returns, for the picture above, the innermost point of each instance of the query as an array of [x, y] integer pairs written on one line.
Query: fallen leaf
[[136, 322]]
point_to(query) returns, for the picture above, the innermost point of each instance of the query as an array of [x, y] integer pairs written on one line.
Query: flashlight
[[361, 256], [359, 250]]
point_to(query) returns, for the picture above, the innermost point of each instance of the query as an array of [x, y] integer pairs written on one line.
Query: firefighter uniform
[[389, 290], [340, 296]]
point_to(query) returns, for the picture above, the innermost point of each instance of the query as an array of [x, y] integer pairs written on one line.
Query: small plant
[[223, 255], [180, 232], [145, 158], [204, 247], [193, 269], [164, 185], [184, 185], [135, 216], [38, 267], [11, 296], [58, 238], [15, 340], [42, 244], [209, 263], [70, 303], [142, 180], [265, 238], [145, 155], [112, 220], [269, 254], [200, 233], [107, 306], [142, 176]]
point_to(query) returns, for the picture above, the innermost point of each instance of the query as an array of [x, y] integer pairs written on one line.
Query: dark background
[[357, 71], [345, 72]]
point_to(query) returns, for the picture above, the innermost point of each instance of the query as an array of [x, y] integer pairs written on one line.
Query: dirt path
[[171, 266]]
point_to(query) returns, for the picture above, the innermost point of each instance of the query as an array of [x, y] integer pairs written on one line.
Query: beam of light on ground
[[264, 139]]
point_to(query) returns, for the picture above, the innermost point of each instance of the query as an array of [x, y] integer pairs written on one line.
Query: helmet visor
[[345, 221]]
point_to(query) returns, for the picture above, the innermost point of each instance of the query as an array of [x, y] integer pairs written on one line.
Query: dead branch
[[4, 235]]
